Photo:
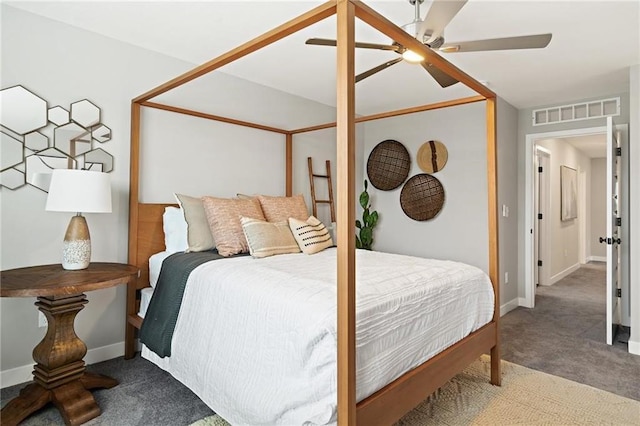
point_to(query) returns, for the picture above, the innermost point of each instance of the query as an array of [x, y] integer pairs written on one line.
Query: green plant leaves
[[364, 238], [364, 199]]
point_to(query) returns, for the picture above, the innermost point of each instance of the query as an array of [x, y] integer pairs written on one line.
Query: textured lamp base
[[76, 251]]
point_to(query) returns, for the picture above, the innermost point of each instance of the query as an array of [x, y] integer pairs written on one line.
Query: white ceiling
[[593, 146], [594, 43]]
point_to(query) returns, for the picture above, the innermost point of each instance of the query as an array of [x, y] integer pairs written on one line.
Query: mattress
[[145, 299], [155, 264], [255, 339]]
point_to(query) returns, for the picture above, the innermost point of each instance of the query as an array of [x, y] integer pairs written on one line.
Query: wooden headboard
[[150, 237]]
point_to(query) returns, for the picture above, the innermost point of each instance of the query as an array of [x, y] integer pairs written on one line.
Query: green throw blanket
[[160, 320]]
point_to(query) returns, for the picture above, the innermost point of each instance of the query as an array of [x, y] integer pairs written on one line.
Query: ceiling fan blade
[[379, 68], [438, 16], [328, 42], [506, 43], [442, 78]]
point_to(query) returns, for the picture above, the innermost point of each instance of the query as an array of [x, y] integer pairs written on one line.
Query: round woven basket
[[422, 197], [388, 165], [432, 156]]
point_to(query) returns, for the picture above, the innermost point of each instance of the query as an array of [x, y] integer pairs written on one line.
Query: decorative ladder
[[314, 200]]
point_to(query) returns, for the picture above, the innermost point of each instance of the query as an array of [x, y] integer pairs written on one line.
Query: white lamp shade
[[80, 191]]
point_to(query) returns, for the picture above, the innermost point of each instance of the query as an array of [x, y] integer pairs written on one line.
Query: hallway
[[564, 335]]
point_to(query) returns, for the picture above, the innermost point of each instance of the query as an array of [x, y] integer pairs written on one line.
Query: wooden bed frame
[[145, 220]]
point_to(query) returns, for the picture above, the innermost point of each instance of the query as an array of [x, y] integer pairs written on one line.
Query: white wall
[[598, 208], [64, 64], [564, 236], [634, 237]]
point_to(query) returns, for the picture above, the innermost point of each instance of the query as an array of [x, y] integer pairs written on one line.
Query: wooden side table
[[59, 374]]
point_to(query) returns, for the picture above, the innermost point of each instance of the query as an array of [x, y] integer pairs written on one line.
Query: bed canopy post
[[134, 185], [345, 86], [494, 267], [288, 148]]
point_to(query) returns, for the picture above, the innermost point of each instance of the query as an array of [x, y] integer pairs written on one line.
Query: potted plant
[[364, 239]]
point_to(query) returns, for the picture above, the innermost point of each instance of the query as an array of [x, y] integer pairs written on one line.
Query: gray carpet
[[564, 335]]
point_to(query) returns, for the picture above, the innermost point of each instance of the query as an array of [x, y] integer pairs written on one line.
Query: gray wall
[[459, 232], [598, 208], [564, 236], [64, 64]]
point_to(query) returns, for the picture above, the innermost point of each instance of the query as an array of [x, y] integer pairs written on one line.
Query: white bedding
[[256, 338]]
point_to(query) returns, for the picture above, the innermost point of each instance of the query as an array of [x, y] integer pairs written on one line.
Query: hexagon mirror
[[98, 159], [12, 179], [22, 111], [72, 139], [85, 113], [12, 151], [58, 115]]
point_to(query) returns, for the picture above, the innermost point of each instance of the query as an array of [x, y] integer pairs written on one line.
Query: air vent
[[576, 112]]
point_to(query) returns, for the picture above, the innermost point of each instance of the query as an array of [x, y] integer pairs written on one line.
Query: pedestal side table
[[59, 374]]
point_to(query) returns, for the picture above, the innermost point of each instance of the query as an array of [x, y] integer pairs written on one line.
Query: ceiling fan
[[430, 32]]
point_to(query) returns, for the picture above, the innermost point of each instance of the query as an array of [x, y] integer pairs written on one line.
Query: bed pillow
[[268, 238], [311, 235], [175, 230], [198, 234], [223, 215], [280, 209]]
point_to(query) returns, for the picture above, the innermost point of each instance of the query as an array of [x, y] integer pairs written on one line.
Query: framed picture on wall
[[568, 193]]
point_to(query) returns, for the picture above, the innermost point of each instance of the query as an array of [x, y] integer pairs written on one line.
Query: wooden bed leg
[[496, 370], [129, 329]]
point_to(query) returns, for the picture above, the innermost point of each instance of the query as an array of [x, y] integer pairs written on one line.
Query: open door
[[612, 239]]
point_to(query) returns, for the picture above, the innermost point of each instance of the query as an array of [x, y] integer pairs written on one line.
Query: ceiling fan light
[[411, 56]]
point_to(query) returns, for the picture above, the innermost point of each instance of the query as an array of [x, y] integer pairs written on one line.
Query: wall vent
[[576, 112]]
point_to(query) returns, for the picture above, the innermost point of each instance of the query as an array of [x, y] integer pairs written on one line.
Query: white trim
[[557, 277], [23, 374], [597, 259], [634, 347], [505, 308]]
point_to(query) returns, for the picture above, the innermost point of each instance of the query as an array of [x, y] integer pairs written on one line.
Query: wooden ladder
[[314, 200]]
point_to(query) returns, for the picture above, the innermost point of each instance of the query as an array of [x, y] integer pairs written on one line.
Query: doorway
[[536, 230]]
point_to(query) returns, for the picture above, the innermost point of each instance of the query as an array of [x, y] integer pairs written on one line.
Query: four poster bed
[[388, 401]]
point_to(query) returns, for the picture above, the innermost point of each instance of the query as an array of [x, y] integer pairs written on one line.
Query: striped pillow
[[311, 235], [268, 238]]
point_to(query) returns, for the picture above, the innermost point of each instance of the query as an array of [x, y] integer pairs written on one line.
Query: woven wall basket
[[432, 156], [422, 197], [388, 165]]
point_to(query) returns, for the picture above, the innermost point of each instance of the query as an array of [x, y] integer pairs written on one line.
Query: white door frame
[[529, 202]]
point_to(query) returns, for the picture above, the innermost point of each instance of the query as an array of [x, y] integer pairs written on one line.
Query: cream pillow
[[224, 215], [311, 235], [280, 209], [198, 234], [268, 238]]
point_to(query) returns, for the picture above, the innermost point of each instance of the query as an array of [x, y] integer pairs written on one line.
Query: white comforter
[[256, 338]]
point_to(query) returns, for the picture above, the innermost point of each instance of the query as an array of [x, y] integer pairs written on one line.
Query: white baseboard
[[634, 347], [597, 259], [557, 277], [23, 374], [505, 308]]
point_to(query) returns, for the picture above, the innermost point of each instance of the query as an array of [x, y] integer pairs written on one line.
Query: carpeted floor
[[526, 397], [563, 336]]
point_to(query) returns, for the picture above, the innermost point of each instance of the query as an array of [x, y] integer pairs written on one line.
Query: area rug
[[526, 397]]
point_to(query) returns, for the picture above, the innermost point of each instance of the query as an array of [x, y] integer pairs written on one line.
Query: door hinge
[[619, 292], [540, 169], [618, 221], [540, 216], [618, 152], [539, 262]]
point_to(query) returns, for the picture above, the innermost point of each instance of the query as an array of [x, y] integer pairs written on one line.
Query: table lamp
[[80, 191]]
